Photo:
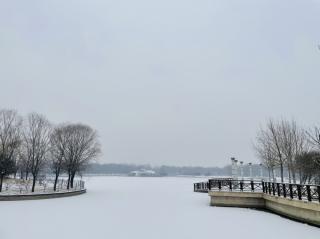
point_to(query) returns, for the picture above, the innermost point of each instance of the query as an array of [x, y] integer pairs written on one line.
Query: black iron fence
[[304, 192], [16, 187], [294, 191], [201, 187]]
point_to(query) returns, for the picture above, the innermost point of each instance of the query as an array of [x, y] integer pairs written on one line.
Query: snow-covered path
[[151, 208]]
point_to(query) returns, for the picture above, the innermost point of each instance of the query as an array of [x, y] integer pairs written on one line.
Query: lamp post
[[261, 170], [250, 170], [236, 168], [233, 168], [241, 169]]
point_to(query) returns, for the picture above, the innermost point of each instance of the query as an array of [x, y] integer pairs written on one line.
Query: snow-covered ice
[[151, 208]]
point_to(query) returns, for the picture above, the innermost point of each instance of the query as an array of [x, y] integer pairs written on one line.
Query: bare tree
[[82, 147], [293, 143], [58, 140], [314, 137], [10, 126], [264, 151], [24, 162], [273, 131], [308, 166], [37, 141], [286, 144], [301, 145], [279, 144]]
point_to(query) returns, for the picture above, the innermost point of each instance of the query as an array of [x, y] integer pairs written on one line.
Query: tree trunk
[[56, 180], [1, 180], [281, 171], [27, 175], [72, 179], [34, 183], [69, 177], [273, 178], [293, 173], [289, 173]]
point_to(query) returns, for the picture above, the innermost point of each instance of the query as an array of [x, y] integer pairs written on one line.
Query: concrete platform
[[303, 211]]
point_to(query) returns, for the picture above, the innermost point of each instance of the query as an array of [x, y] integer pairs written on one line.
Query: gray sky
[[178, 82]]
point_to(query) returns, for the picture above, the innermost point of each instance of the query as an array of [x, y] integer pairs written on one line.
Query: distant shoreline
[[113, 169]]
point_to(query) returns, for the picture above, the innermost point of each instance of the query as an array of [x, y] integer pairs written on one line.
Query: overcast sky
[[177, 82]]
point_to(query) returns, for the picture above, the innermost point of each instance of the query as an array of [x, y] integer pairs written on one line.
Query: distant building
[[143, 173]]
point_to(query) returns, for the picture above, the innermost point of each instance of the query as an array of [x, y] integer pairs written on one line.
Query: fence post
[[269, 187], [252, 186], [263, 187], [219, 185], [291, 191], [318, 189], [278, 189], [241, 186], [299, 191], [230, 185], [209, 184], [266, 187], [284, 190], [309, 193], [273, 189]]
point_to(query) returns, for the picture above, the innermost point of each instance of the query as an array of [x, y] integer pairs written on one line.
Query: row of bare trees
[[285, 146], [33, 145]]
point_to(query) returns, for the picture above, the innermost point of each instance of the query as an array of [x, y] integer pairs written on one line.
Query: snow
[[151, 208], [23, 187]]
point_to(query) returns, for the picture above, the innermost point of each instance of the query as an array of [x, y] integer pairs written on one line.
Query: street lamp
[[233, 167], [261, 170], [241, 169], [236, 168], [250, 170]]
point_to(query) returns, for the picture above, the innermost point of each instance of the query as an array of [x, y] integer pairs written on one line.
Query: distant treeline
[[125, 169]]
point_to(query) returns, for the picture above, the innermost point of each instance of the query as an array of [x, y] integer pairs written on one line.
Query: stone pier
[[303, 211]]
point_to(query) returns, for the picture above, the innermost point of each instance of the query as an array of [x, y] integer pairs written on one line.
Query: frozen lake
[[151, 208]]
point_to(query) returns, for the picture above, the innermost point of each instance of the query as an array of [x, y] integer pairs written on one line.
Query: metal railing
[[201, 187], [304, 192], [17, 187]]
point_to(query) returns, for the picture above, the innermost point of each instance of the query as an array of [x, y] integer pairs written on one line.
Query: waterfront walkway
[[296, 201]]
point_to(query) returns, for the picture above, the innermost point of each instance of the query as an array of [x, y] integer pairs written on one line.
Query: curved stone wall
[[41, 196], [303, 211]]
